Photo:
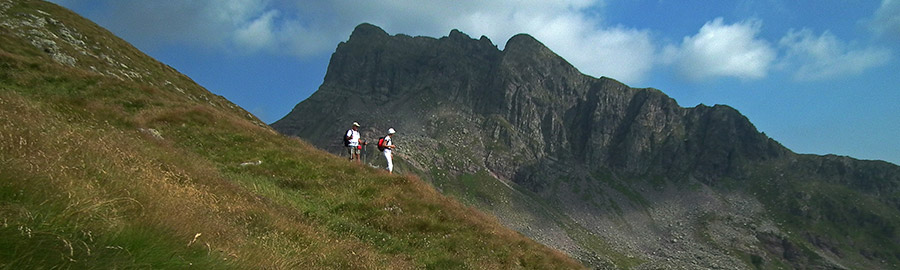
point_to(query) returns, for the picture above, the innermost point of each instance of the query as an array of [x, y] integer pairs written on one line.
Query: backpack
[[381, 145], [346, 139]]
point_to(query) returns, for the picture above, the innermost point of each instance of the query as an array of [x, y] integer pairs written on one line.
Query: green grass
[[82, 187]]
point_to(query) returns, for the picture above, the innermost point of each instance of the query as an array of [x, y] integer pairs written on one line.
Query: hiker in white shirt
[[388, 149], [351, 141]]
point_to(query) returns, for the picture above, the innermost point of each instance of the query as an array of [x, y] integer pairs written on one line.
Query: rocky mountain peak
[[527, 61], [367, 31], [525, 47], [524, 42], [458, 35]]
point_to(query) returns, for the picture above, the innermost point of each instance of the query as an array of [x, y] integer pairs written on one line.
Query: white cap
[[355, 124], [391, 131]]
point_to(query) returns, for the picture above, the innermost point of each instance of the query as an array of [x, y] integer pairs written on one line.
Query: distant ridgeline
[[615, 176]]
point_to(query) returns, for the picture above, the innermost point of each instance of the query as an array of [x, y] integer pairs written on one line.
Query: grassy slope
[[82, 186]]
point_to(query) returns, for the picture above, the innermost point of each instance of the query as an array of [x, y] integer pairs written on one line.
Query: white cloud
[[205, 23], [258, 33], [821, 57], [887, 19], [620, 53], [722, 50], [298, 40]]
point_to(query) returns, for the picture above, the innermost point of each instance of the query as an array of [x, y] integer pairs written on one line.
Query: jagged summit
[[456, 34], [579, 162], [525, 42], [367, 31]]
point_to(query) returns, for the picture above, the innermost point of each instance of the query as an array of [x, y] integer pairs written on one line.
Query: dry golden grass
[[83, 184], [111, 180], [302, 208]]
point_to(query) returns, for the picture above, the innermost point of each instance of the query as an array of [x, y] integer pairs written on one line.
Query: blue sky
[[819, 76]]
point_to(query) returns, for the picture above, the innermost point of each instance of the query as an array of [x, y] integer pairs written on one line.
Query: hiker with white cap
[[351, 141], [388, 147]]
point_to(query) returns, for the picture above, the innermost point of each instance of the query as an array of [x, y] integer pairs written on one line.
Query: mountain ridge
[[569, 88], [522, 134]]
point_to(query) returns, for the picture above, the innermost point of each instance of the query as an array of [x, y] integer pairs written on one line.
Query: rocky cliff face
[[524, 99], [617, 176]]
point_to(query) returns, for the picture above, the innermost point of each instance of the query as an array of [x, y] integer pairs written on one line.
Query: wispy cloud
[[722, 50], [203, 23], [825, 56], [886, 21], [258, 33]]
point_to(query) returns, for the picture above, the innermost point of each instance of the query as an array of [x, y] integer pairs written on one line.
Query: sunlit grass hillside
[[112, 160]]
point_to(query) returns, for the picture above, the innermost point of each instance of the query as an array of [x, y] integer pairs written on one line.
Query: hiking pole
[[365, 144]]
